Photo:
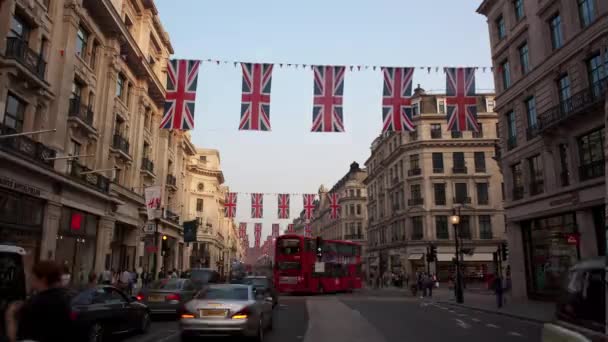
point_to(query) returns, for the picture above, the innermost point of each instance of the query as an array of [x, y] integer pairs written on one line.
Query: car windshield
[[227, 293], [289, 246], [166, 284], [201, 276], [257, 282]]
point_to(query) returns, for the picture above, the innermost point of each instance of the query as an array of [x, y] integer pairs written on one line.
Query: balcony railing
[[480, 169], [120, 143], [511, 142], [532, 132], [462, 200], [415, 201], [439, 200], [171, 180], [435, 134], [83, 174], [591, 170], [478, 135], [19, 50], [24, 146], [461, 169], [414, 136], [537, 187], [518, 192], [576, 104], [564, 176], [486, 235], [414, 172], [81, 111], [171, 216], [483, 200], [417, 236], [147, 165], [456, 134], [437, 170]]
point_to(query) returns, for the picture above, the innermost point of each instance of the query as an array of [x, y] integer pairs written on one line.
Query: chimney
[[354, 167], [418, 90]]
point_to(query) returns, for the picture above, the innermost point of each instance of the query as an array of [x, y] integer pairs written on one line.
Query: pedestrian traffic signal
[[319, 247], [504, 251]]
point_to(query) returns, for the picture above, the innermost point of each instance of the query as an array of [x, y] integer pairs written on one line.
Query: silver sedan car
[[226, 310]]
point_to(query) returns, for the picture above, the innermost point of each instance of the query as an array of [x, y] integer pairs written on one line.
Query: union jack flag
[[182, 76], [255, 107], [334, 206], [230, 205], [257, 234], [290, 228], [275, 230], [308, 230], [309, 205], [397, 100], [460, 99], [283, 208], [242, 230], [257, 205], [327, 113]]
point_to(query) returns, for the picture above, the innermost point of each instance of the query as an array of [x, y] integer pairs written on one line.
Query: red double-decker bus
[[300, 268]]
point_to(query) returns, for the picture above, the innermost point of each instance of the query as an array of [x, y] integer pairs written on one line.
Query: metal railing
[[120, 143], [462, 169], [437, 170], [415, 201], [537, 187], [511, 142], [480, 169], [95, 180], [435, 134], [171, 180], [532, 132], [81, 111], [171, 216], [25, 146], [19, 50], [147, 165], [478, 135], [456, 134], [518, 192], [564, 176], [462, 200], [591, 170], [486, 235], [483, 200], [414, 171]]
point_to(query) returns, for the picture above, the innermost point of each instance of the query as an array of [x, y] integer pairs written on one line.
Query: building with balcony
[[416, 179], [91, 71], [217, 238], [550, 65]]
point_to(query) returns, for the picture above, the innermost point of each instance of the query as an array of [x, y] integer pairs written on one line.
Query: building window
[[458, 161], [415, 192], [76, 91], [462, 196], [358, 209], [536, 175], [518, 182], [596, 74], [490, 105], [417, 228], [500, 28], [358, 192], [94, 52], [482, 194], [518, 6], [506, 74], [557, 38], [563, 160], [441, 227], [435, 131], [485, 227], [524, 58], [19, 29], [479, 133], [437, 162], [586, 12], [511, 130], [414, 134], [480, 162], [441, 106], [531, 112], [591, 152], [414, 165], [464, 227], [199, 205], [120, 86], [82, 38], [456, 134], [415, 109], [564, 93], [14, 113], [439, 189]]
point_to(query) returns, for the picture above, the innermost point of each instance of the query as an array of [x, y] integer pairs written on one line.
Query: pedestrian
[[66, 276], [430, 283], [498, 289], [124, 280], [174, 273], [407, 279], [45, 316], [85, 297], [106, 276], [161, 273]]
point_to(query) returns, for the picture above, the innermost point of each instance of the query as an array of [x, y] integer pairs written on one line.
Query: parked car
[[203, 276], [581, 311], [104, 311], [166, 296], [264, 285], [227, 310], [12, 280]]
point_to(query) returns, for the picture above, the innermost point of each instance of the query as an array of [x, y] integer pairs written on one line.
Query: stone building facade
[[92, 72], [550, 63], [415, 181]]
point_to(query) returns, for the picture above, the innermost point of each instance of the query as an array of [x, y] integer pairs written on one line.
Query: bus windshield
[[288, 246]]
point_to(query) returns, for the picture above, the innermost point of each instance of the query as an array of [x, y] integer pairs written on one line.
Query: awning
[[466, 257], [445, 257], [415, 256]]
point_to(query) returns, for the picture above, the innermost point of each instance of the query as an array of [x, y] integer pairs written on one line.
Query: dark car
[[264, 286], [203, 276], [103, 311], [166, 296], [581, 314]]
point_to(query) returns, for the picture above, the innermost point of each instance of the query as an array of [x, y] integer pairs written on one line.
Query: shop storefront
[[551, 248], [123, 254]]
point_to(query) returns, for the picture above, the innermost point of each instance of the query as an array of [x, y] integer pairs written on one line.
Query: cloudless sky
[[290, 158]]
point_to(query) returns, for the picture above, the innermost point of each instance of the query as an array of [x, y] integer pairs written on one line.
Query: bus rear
[[292, 265]]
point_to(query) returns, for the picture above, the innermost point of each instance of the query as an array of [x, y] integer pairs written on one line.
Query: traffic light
[[319, 247], [164, 245], [504, 250], [495, 257], [431, 253]]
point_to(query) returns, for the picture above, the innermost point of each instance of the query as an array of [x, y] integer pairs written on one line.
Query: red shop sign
[[572, 239]]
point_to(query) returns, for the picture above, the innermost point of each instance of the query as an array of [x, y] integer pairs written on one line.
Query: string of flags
[[328, 93]]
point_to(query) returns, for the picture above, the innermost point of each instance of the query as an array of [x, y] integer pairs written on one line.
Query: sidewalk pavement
[[525, 309]]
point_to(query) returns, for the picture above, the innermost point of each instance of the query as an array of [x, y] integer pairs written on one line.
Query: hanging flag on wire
[[308, 230], [275, 230], [290, 228], [182, 77], [283, 206], [230, 205], [255, 106], [397, 100], [327, 115], [243, 230], [460, 99], [309, 205], [257, 234], [334, 206], [257, 205]]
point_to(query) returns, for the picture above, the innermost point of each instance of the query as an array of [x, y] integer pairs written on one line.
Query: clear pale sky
[[290, 158]]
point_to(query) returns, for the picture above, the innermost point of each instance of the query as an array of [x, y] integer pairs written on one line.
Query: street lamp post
[[455, 219]]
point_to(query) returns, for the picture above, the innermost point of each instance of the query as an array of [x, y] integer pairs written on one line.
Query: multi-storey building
[[550, 62], [217, 242], [89, 74], [415, 181]]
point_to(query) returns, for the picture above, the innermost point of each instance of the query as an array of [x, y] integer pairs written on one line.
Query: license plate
[[213, 312], [156, 298], [288, 280]]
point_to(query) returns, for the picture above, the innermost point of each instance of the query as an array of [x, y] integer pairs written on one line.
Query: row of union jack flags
[[283, 205], [328, 86], [244, 238]]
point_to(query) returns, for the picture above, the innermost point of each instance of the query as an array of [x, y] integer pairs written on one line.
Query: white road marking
[[490, 325], [462, 323], [462, 315], [170, 337], [475, 320], [451, 311], [513, 333]]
